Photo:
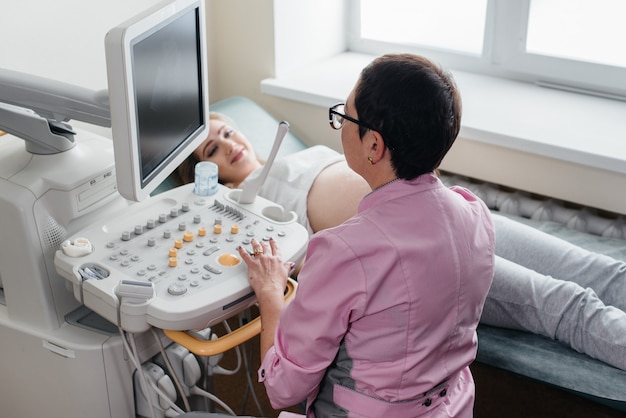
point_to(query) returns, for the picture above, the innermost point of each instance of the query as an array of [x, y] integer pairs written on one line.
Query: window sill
[[584, 132], [573, 127]]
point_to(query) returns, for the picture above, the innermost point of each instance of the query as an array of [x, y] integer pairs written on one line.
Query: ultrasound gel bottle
[[205, 181]]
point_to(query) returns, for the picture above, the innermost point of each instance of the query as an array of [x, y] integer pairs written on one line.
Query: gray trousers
[[548, 286]]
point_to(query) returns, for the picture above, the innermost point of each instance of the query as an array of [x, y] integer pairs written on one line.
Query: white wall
[[242, 52], [64, 40], [61, 39]]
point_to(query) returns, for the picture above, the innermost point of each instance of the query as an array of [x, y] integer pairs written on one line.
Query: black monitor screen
[[168, 90]]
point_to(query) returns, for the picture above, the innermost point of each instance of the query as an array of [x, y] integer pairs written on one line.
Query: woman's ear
[[376, 145]]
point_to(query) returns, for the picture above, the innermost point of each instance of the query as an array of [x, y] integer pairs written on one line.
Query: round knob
[[176, 289], [228, 260]]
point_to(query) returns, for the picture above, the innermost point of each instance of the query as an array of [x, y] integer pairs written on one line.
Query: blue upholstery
[[258, 125], [552, 363], [549, 361]]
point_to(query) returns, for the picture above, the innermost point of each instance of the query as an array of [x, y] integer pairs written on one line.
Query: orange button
[[228, 260], [173, 252], [217, 229], [234, 229], [178, 243], [173, 262], [188, 236], [201, 231]]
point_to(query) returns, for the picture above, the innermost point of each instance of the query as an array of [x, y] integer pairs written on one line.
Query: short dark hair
[[416, 107]]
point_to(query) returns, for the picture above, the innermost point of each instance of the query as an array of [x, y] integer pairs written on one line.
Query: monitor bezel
[[126, 146]]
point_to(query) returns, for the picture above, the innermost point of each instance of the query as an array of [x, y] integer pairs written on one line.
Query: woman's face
[[230, 150], [353, 146]]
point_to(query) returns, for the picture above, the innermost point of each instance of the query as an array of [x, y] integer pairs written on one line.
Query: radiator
[[542, 208]]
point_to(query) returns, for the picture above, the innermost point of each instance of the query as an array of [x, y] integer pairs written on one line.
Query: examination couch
[[522, 353]]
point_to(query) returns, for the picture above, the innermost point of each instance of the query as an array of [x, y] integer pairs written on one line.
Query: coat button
[[443, 393], [427, 402]]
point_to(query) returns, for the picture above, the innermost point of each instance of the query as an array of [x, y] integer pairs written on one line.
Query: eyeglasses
[[337, 117]]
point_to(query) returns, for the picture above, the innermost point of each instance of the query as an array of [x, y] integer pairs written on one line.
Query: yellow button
[[188, 236], [234, 229], [173, 262], [217, 229], [178, 243], [201, 231], [228, 259], [173, 252]]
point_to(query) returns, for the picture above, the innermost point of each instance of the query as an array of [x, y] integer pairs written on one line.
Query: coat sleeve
[[330, 295]]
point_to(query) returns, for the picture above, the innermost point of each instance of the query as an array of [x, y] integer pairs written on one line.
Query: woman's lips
[[238, 156]]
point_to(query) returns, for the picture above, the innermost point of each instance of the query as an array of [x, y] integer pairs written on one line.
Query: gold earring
[[371, 160]]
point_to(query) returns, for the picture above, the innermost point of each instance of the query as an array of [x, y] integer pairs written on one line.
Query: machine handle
[[228, 341]]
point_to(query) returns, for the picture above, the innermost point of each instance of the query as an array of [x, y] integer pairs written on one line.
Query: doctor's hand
[[266, 270]]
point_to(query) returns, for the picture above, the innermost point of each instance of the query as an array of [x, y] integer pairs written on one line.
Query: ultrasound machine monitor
[[170, 261], [158, 92]]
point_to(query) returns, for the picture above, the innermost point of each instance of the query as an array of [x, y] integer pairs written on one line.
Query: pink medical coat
[[384, 320]]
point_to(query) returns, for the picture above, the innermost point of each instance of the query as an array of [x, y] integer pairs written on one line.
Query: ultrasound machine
[[103, 286]]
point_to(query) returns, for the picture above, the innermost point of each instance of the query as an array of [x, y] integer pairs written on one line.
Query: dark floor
[[499, 394]]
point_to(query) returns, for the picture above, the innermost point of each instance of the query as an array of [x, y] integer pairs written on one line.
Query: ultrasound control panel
[[171, 261]]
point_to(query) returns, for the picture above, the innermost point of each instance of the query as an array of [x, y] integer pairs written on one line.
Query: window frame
[[504, 54]]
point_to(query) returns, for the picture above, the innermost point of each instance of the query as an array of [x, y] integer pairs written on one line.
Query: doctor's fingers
[[245, 255], [275, 248], [259, 248]]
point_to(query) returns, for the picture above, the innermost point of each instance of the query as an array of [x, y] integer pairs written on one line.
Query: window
[[591, 34], [572, 44], [400, 21]]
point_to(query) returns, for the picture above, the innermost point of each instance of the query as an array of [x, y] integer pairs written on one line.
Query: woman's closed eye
[[211, 151]]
